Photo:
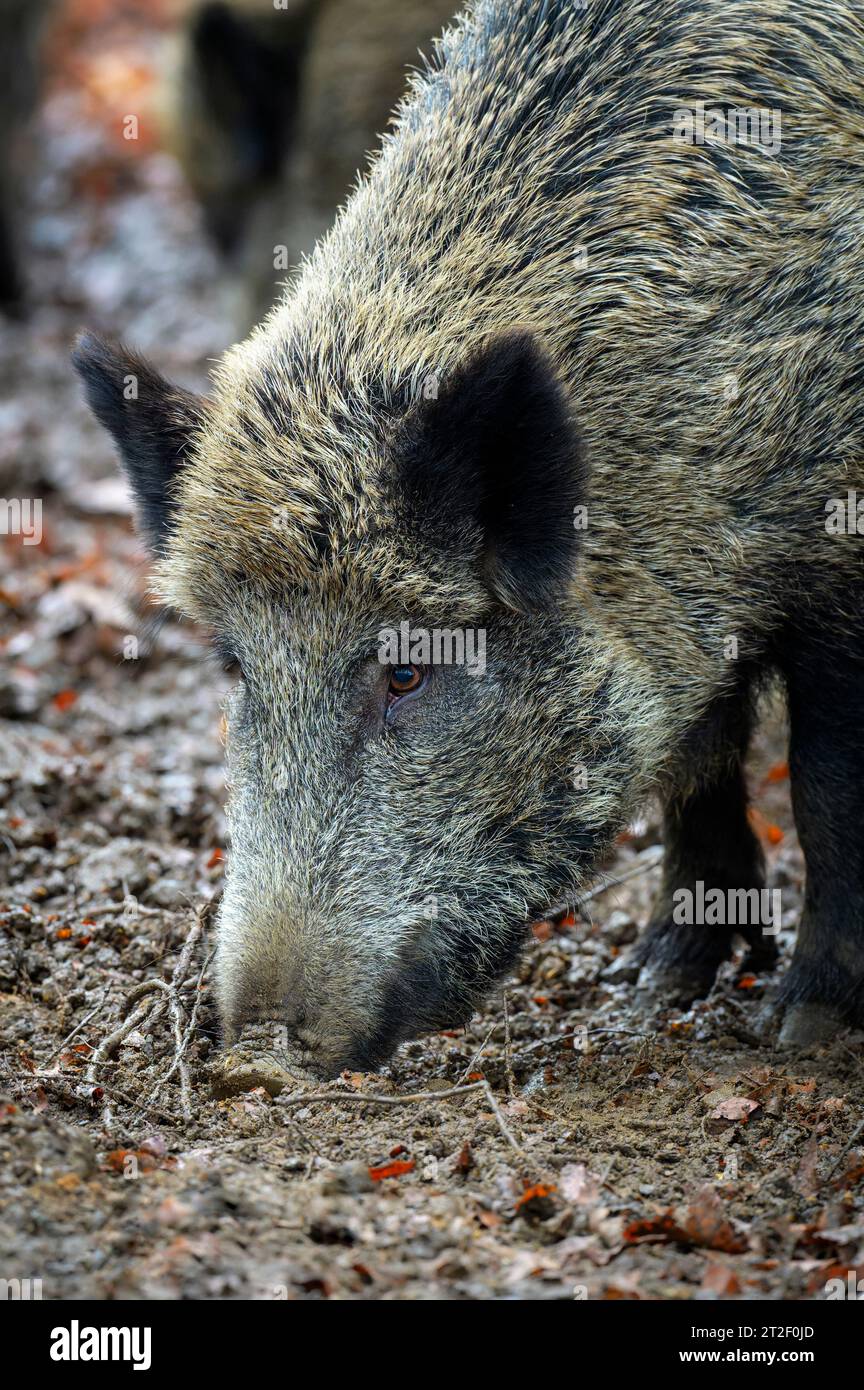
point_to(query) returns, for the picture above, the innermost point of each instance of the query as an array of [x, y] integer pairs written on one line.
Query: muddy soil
[[593, 1147]]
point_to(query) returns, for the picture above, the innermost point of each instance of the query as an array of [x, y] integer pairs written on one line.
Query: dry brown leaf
[[737, 1110], [578, 1186]]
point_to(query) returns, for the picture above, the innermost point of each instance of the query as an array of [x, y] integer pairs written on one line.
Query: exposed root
[[579, 1033], [346, 1097], [149, 1012]]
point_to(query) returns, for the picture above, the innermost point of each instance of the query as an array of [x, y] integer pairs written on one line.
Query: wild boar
[[578, 367]]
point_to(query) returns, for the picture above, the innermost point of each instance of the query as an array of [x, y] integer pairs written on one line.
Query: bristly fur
[[531, 179]]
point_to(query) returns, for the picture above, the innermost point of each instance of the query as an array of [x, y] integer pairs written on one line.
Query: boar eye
[[226, 656], [404, 680], [229, 663]]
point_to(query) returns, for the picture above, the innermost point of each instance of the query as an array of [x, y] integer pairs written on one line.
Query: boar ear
[[499, 449], [151, 422]]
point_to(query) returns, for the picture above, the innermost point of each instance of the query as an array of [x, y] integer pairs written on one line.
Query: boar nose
[[264, 1054], [278, 1019], [292, 1015], [286, 1019]]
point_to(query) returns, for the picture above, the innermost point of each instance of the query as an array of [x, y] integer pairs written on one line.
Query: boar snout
[[283, 993], [262, 1056]]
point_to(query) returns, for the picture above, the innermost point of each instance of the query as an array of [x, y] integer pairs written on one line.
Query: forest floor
[[603, 1152]]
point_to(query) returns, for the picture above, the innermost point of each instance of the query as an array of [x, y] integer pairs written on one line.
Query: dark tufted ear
[[151, 422], [498, 447]]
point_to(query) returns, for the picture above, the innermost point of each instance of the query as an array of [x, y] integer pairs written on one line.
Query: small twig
[[855, 1134], [112, 910], [202, 917], [349, 1098], [146, 987], [144, 1106], [501, 1122], [352, 1098], [75, 1031], [170, 992], [475, 1059], [508, 1054], [178, 975], [581, 1033], [193, 1018], [177, 1020], [106, 1048], [603, 1178], [66, 1092], [110, 1044], [633, 872]]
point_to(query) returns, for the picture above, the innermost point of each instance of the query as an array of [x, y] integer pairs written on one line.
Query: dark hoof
[[672, 986], [806, 1024]]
